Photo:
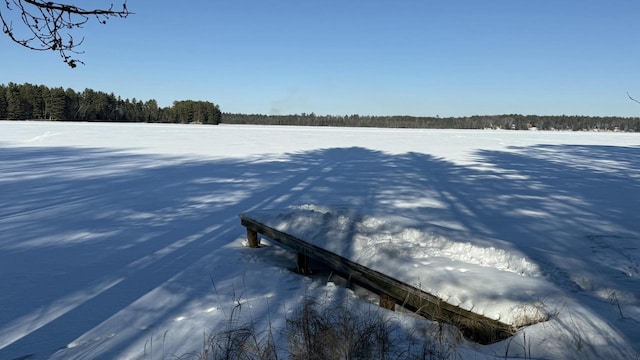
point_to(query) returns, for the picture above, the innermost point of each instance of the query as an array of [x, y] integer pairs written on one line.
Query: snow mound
[[483, 275], [372, 235]]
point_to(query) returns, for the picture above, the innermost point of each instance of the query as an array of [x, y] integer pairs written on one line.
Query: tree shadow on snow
[[86, 233]]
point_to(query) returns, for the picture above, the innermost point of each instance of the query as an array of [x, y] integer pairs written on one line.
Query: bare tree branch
[[45, 24], [632, 98]]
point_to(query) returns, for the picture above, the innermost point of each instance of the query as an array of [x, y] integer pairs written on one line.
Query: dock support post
[[252, 237], [303, 264], [387, 301]]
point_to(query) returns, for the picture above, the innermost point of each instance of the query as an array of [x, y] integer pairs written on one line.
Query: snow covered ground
[[123, 241]]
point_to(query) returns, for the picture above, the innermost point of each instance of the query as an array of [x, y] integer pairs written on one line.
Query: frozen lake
[[112, 234]]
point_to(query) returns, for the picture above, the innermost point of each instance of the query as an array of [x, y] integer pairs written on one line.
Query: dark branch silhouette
[[44, 24], [632, 98]]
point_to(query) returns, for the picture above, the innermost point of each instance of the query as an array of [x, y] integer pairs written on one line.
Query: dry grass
[[317, 331]]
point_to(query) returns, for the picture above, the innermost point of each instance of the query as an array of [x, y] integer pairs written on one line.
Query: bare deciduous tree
[[632, 98], [44, 25]]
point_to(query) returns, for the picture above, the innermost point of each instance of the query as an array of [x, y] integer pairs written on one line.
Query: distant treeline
[[512, 121], [38, 102]]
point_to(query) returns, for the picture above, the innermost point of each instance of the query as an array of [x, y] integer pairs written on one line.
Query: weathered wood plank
[[475, 326]]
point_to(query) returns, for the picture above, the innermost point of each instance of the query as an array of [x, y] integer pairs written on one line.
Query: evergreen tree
[[87, 108], [15, 106], [55, 105], [3, 102], [32, 101], [151, 111], [27, 101], [72, 105]]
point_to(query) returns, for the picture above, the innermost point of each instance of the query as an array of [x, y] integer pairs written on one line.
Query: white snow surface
[[123, 241]]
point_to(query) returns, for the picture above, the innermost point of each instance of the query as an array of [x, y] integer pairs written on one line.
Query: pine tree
[[72, 105], [55, 104], [151, 111], [3, 102], [15, 107]]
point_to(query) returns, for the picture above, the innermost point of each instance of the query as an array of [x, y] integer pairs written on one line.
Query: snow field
[[112, 236]]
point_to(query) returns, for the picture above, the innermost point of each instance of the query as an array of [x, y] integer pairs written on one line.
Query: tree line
[[508, 121], [38, 102]]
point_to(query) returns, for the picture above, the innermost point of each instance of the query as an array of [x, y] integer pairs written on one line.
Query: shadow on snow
[[86, 233]]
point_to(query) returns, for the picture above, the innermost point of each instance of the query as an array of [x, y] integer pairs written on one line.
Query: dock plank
[[474, 326]]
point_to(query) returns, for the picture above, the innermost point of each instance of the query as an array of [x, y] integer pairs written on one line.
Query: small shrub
[[239, 341], [327, 333]]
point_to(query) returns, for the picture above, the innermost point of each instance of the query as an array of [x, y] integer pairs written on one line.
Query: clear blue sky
[[380, 57]]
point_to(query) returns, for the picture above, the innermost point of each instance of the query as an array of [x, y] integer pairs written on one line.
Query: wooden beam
[[474, 326]]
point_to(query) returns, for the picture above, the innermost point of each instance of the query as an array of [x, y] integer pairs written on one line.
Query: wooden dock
[[392, 292]]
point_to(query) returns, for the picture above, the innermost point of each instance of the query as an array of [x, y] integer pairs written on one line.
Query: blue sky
[[378, 57]]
